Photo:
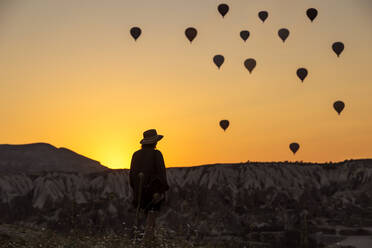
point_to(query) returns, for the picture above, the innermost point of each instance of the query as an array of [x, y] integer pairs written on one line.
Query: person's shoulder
[[158, 152], [137, 152]]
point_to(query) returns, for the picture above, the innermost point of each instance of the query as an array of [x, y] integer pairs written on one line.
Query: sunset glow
[[72, 76]]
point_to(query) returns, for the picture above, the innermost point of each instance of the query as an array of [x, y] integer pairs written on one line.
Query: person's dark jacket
[[151, 163]]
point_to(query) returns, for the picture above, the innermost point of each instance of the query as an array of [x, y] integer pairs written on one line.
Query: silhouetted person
[[149, 163]]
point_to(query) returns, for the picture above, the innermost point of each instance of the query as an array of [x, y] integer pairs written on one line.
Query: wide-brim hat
[[151, 137]]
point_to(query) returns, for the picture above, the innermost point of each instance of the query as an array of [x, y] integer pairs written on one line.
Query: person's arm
[[161, 170], [131, 179]]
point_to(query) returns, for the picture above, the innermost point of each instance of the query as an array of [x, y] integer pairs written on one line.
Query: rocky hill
[[42, 157], [232, 200]]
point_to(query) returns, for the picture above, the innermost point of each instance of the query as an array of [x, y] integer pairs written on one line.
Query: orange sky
[[71, 76]]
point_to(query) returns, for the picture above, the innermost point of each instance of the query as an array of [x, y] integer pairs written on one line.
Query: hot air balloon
[[224, 124], [338, 47], [294, 147], [191, 33], [218, 60], [250, 64], [302, 73], [339, 106], [283, 34], [244, 34], [135, 32], [311, 13], [223, 9], [263, 15]]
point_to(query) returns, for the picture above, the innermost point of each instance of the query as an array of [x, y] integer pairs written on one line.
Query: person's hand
[[156, 196]]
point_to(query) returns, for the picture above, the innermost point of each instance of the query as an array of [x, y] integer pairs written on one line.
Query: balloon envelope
[[283, 33], [191, 33], [250, 64], [135, 32], [224, 124], [244, 34], [338, 47], [302, 73], [223, 9], [294, 147], [263, 15], [218, 60], [311, 13], [339, 106]]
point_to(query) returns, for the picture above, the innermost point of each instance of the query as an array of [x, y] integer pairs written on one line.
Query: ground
[[12, 235]]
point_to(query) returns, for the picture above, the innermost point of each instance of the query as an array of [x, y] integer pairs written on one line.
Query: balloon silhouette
[[283, 34], [223, 9], [294, 147], [311, 13], [250, 64], [244, 34], [301, 73], [135, 32], [191, 33], [224, 124], [218, 60], [338, 47], [339, 106], [263, 15]]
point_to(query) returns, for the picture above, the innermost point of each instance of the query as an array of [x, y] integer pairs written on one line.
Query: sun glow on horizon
[[112, 153]]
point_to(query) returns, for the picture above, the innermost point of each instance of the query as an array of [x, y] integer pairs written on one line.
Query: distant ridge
[[366, 161], [44, 157]]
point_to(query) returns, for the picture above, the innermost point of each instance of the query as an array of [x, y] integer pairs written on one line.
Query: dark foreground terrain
[[278, 204], [22, 235]]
